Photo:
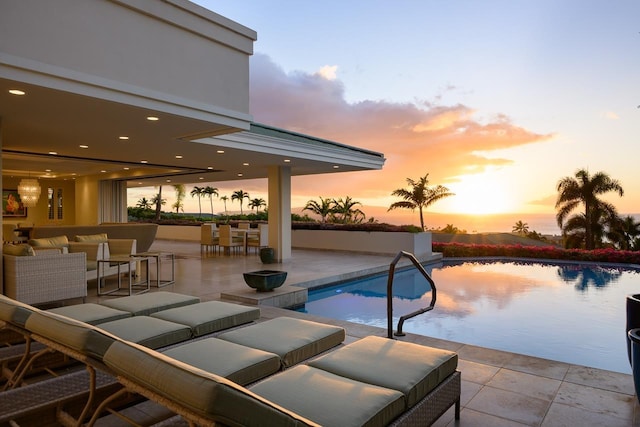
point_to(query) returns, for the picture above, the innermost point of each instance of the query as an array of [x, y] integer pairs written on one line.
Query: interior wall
[[38, 215], [87, 201]]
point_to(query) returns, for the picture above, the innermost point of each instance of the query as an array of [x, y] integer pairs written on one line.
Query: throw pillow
[[101, 237], [18, 250], [57, 241]]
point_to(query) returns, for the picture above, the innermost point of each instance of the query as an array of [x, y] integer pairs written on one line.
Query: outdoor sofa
[[144, 234], [97, 247], [43, 276], [371, 382]]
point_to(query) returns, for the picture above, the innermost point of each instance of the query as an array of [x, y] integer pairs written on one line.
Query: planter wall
[[179, 232], [375, 242]]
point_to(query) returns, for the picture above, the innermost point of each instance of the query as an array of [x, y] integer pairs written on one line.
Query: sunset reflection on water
[[567, 312]]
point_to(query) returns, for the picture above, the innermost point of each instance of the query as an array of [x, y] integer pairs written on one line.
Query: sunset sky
[[497, 100]]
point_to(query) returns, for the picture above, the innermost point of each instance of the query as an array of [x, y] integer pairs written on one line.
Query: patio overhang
[[142, 93]]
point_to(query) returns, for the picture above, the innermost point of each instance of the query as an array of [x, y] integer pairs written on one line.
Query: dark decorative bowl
[[265, 280]]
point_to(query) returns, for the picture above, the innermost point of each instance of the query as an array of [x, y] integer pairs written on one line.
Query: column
[[280, 211]]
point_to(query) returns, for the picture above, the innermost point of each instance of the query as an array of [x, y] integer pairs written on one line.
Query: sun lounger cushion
[[207, 317], [413, 369], [90, 313], [78, 336], [240, 364], [146, 304], [148, 331], [294, 340], [331, 400], [206, 394], [14, 312]]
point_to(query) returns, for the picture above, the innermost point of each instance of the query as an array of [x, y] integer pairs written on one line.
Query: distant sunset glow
[[478, 194]]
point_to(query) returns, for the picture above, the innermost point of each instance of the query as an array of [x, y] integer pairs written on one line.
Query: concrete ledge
[[283, 297], [373, 242]]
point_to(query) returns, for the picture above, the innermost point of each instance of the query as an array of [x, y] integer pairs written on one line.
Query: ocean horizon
[[470, 223], [485, 223]]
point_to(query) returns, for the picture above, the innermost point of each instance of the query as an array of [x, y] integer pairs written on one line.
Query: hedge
[[451, 250]]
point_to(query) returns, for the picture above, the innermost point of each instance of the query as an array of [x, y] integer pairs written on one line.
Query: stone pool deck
[[498, 388]]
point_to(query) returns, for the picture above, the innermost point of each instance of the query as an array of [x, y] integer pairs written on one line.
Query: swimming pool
[[567, 312]]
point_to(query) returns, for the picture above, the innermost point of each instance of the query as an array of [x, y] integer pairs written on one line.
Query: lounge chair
[[356, 385], [300, 396]]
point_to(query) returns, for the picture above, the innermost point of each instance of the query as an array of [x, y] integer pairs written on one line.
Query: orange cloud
[[444, 140]]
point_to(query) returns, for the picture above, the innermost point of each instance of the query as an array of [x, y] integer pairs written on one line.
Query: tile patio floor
[[498, 388]]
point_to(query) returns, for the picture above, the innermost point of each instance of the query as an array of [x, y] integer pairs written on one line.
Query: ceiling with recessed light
[[62, 135]]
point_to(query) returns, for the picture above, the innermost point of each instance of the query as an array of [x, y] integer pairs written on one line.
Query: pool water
[[567, 312]]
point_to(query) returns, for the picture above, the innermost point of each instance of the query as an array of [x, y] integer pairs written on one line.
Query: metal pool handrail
[[392, 269]]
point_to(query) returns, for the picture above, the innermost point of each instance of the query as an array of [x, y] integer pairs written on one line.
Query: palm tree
[[419, 196], [323, 209], [257, 204], [450, 229], [144, 203], [158, 201], [180, 194], [521, 228], [585, 189], [240, 196], [224, 200], [343, 211], [210, 191], [198, 191], [624, 232]]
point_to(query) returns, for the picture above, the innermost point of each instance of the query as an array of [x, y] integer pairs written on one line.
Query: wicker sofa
[[95, 246], [46, 277], [144, 234]]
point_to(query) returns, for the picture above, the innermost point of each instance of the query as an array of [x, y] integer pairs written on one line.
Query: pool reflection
[[583, 278], [521, 307]]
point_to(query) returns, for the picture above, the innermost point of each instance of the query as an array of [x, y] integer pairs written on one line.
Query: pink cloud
[[443, 140]]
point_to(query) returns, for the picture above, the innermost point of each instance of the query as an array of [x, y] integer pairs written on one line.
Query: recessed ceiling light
[[139, 183], [287, 160], [16, 92], [210, 167], [126, 169], [47, 170], [202, 177], [220, 151], [84, 146], [178, 156], [103, 171], [123, 137], [245, 164], [239, 174], [336, 167], [53, 153], [168, 180], [153, 118]]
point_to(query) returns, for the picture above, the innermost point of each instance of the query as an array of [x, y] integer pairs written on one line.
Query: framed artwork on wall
[[12, 205]]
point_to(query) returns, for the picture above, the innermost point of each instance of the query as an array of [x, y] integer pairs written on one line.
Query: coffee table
[[159, 256], [124, 264]]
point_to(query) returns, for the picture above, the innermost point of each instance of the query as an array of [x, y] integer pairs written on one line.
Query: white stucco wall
[[362, 241], [193, 60]]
